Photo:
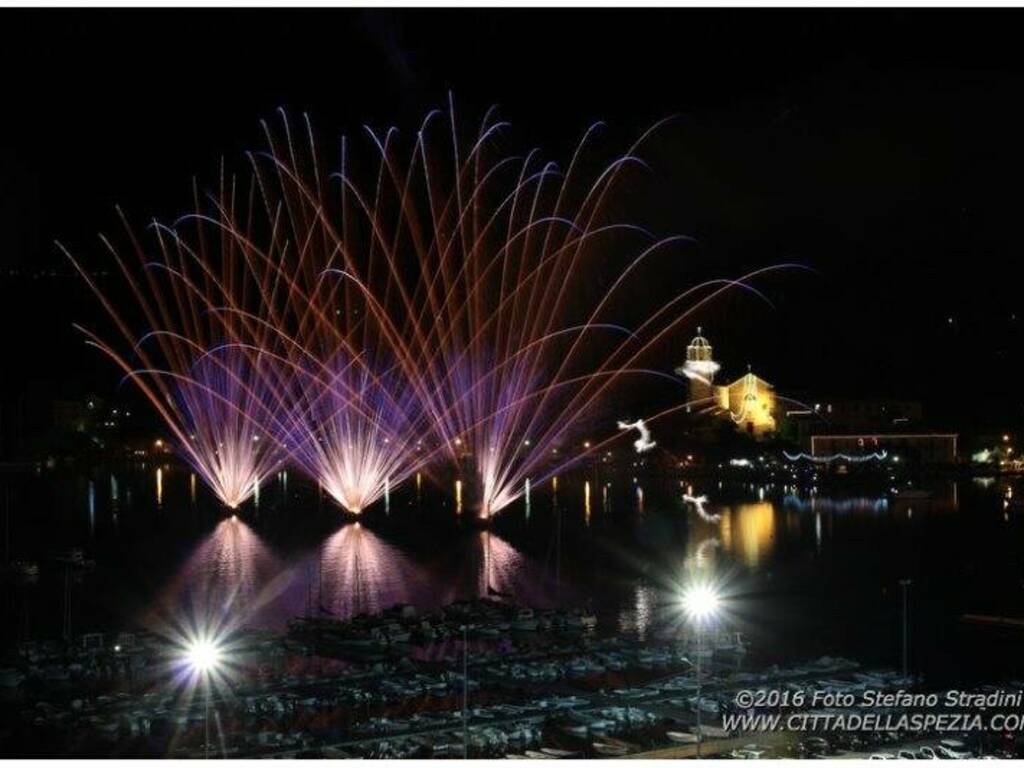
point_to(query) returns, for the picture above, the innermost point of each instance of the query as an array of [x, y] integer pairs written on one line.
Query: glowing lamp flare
[[203, 655], [701, 602]]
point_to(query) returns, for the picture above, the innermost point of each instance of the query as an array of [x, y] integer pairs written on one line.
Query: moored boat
[[681, 737], [610, 750]]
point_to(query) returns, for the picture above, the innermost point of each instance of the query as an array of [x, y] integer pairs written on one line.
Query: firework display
[[203, 364], [367, 331]]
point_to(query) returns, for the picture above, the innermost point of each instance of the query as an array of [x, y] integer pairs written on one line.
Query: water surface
[[805, 574]]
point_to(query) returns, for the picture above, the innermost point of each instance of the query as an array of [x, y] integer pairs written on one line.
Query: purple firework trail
[[363, 331]]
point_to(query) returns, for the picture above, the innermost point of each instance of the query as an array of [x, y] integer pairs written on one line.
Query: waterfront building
[[748, 401], [921, 447]]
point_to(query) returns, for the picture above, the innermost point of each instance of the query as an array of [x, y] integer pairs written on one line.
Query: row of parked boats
[[573, 691], [399, 629]]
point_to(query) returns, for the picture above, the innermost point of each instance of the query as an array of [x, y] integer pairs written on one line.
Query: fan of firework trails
[[442, 307]]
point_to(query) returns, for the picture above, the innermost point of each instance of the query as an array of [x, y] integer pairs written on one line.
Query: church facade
[[749, 402]]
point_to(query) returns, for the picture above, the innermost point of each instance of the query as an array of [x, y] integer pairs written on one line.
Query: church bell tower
[[699, 369]]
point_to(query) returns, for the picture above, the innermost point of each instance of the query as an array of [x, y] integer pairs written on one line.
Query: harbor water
[[805, 573]]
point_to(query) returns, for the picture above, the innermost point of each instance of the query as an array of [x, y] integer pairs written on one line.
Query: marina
[[559, 692], [319, 671]]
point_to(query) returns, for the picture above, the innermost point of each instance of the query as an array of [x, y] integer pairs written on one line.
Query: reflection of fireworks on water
[[502, 566], [361, 573], [232, 573], [698, 503], [702, 553]]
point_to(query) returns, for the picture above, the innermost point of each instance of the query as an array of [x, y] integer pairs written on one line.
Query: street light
[[701, 603], [204, 656], [904, 587]]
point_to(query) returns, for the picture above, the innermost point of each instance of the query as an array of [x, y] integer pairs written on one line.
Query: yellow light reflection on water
[[725, 529], [586, 502], [192, 487], [458, 497], [748, 531], [159, 486]]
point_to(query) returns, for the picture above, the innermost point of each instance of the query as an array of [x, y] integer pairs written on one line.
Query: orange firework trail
[[365, 330], [210, 374]]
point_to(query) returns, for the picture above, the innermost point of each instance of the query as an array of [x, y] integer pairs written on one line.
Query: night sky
[[884, 149]]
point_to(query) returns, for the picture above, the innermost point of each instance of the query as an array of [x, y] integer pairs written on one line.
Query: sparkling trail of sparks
[[363, 331], [698, 503], [644, 443]]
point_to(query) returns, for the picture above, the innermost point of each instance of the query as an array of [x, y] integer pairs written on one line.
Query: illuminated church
[[749, 401]]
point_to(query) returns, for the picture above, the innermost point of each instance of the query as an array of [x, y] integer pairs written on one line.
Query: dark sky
[[883, 148]]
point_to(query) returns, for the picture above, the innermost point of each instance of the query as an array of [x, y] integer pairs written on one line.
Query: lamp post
[[701, 603], [204, 657], [904, 587], [465, 690], [206, 719], [700, 652]]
